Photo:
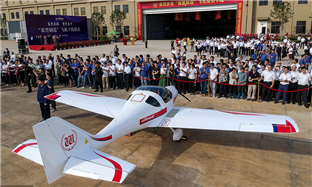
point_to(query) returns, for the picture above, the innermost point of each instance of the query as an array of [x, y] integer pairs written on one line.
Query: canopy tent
[[112, 33]]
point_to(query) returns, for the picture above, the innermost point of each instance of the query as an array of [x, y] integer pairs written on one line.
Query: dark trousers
[[120, 80], [45, 111], [223, 90], [291, 97], [192, 86], [211, 50], [233, 89], [127, 81], [53, 70], [98, 82], [266, 92], [182, 84], [303, 94], [33, 79], [75, 77], [28, 83], [5, 78], [112, 82]]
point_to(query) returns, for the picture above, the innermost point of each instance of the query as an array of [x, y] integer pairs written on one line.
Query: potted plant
[[77, 45], [62, 46], [57, 46], [66, 45], [70, 45], [87, 44], [82, 44], [74, 44]]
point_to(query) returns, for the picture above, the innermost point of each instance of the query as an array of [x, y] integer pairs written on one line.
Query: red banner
[[229, 15], [239, 15], [188, 16], [139, 9], [176, 17], [197, 16], [217, 15]]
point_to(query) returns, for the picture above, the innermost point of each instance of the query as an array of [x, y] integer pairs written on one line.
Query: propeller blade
[[185, 97]]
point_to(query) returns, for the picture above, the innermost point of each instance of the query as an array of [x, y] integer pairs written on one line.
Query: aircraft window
[[167, 96], [152, 101], [129, 97]]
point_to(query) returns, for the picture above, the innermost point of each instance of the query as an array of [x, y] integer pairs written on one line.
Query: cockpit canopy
[[164, 93]]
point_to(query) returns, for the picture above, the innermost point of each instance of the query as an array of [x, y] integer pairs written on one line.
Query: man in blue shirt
[[302, 60], [50, 86], [259, 46], [273, 57], [255, 55], [7, 52], [204, 72], [307, 61], [264, 56], [43, 102], [87, 69], [75, 67]]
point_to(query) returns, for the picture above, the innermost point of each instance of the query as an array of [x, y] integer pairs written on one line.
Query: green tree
[[117, 18], [97, 19], [282, 12], [3, 27]]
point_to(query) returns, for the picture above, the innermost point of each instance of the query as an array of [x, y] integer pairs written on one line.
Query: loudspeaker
[[21, 44]]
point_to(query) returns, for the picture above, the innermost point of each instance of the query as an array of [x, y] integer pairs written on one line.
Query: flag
[[287, 35], [197, 16], [217, 15], [229, 15], [188, 16]]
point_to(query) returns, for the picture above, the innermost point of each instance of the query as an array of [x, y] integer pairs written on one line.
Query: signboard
[[71, 28], [174, 4]]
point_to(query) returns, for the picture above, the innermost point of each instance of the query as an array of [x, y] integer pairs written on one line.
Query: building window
[[17, 15], [64, 11], [117, 7], [26, 12], [12, 15], [277, 2], [103, 10], [31, 12], [58, 12], [104, 30], [83, 11], [126, 30], [47, 12], [125, 8], [302, 1], [275, 27], [95, 9], [263, 2], [41, 12], [4, 16], [76, 12], [301, 27], [118, 28]]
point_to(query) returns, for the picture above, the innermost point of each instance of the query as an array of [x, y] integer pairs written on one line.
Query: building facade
[[167, 19]]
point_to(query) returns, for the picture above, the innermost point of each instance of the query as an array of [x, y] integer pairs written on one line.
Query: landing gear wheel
[[184, 136]]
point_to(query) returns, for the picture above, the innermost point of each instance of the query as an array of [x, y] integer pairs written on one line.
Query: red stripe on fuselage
[[102, 139], [153, 116], [240, 113], [90, 95], [23, 146], [118, 168]]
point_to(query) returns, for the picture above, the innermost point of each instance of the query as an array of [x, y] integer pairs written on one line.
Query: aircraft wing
[[192, 118], [94, 164], [107, 106]]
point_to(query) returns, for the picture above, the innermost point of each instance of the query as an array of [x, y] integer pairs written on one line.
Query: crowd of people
[[242, 65]]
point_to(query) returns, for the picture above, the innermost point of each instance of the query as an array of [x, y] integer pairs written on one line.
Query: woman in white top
[[290, 53], [137, 72], [163, 73], [192, 74], [4, 73], [233, 81], [11, 72]]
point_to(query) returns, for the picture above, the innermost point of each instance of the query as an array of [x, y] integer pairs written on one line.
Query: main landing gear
[[178, 135]]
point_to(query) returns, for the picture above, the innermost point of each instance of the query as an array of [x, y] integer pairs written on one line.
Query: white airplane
[[63, 148]]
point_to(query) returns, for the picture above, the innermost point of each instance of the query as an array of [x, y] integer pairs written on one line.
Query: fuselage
[[146, 106]]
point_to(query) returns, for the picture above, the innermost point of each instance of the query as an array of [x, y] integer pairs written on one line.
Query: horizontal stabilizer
[[29, 150], [94, 164]]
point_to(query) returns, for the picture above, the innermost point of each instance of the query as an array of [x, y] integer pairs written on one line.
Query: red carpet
[[41, 47]]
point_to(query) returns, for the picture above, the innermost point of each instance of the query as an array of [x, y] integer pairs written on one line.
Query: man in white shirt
[[212, 61], [284, 80], [192, 72], [114, 58], [182, 77], [112, 75], [213, 77], [13, 57], [106, 70], [102, 59], [268, 77], [304, 79], [127, 72], [120, 71], [292, 85]]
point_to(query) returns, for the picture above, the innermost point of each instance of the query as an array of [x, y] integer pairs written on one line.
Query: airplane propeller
[[185, 97]]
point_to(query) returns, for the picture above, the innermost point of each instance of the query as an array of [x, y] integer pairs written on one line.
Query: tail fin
[[57, 141]]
